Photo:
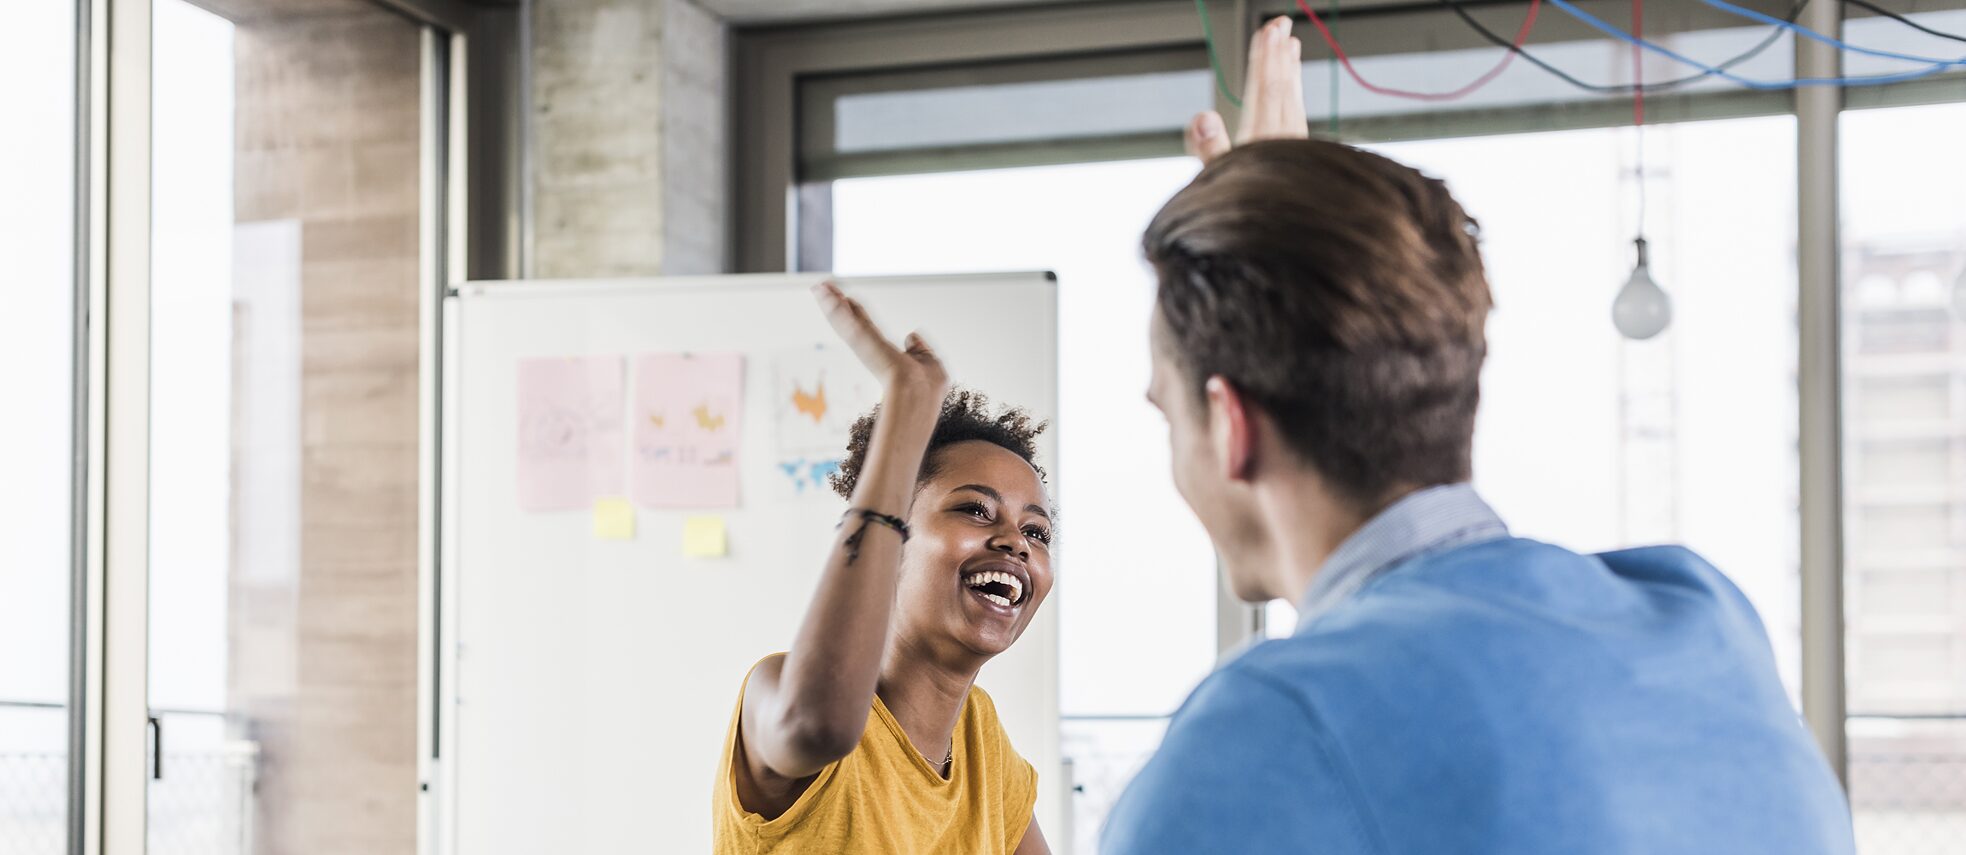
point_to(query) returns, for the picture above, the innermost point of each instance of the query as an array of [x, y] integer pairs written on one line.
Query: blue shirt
[[1454, 689]]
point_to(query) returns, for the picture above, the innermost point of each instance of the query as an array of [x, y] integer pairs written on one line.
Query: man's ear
[[1231, 429]]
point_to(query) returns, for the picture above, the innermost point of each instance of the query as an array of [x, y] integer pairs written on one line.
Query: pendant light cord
[[1638, 104]]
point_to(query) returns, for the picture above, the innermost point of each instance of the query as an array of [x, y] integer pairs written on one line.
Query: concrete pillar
[[629, 139]]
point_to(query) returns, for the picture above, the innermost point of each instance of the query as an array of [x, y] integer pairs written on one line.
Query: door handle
[[156, 748]]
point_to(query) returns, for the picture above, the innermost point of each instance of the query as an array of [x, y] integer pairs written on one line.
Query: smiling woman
[[870, 734], [967, 420], [990, 457]]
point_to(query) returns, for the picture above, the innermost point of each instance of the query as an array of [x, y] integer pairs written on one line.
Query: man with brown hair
[[1318, 340]]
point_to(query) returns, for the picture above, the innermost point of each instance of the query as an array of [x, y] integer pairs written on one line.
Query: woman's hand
[[912, 374], [1272, 96]]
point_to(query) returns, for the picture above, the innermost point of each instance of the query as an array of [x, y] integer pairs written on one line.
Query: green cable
[[1208, 37]]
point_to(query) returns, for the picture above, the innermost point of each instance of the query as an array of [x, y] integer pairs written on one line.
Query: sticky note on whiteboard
[[705, 537], [614, 519]]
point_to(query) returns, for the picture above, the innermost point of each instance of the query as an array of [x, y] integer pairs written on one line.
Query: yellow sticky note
[[614, 519], [705, 537]]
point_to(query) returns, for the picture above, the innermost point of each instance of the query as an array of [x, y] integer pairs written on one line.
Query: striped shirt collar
[[1424, 521]]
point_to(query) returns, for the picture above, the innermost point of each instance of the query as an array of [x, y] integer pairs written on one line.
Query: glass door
[[285, 328]]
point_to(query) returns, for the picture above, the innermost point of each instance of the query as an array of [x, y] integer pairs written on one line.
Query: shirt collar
[[1427, 520]]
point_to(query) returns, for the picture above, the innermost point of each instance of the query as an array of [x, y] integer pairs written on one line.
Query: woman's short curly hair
[[966, 415]]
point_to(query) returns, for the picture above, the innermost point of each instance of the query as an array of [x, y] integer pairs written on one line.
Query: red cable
[[1521, 36], [1638, 63]]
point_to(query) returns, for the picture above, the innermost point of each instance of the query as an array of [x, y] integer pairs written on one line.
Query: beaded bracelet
[[888, 520]]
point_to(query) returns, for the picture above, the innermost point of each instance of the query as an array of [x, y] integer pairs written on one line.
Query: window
[[37, 438], [1161, 94], [1691, 437], [1904, 382], [1112, 107]]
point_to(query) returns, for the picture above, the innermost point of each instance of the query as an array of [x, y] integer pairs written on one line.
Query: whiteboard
[[584, 685]]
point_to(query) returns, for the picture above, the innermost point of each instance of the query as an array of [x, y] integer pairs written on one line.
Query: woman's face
[[978, 563]]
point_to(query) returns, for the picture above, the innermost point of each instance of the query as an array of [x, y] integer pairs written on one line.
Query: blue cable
[[1812, 35], [1621, 35]]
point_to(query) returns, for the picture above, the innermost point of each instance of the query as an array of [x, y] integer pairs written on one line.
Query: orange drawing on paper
[[707, 421], [813, 405]]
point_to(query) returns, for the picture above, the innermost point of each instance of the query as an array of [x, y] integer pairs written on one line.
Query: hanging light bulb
[[1642, 309]]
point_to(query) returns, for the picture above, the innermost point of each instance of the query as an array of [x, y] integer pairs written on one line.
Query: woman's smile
[[998, 583]]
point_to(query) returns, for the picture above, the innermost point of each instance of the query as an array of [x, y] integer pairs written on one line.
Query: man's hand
[[1272, 96]]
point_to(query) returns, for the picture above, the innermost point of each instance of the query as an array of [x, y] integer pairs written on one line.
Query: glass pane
[[37, 180], [1017, 112], [1880, 33], [1084, 223], [1594, 442], [1904, 422], [284, 333]]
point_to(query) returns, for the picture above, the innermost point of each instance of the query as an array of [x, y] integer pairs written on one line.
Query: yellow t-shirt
[[884, 799]]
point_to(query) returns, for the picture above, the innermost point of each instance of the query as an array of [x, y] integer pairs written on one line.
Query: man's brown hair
[[1340, 291]]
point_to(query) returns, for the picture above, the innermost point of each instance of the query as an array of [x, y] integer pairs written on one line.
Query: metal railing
[[33, 778], [1908, 789], [203, 805], [1908, 793], [1104, 752]]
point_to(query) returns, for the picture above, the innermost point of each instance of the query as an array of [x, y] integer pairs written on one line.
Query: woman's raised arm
[[808, 709]]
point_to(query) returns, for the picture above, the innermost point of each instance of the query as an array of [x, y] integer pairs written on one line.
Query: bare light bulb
[[1642, 309]]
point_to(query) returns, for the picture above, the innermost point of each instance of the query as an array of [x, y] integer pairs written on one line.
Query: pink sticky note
[[687, 417], [571, 447]]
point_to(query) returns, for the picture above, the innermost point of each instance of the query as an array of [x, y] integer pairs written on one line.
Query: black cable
[[1904, 20], [1774, 35]]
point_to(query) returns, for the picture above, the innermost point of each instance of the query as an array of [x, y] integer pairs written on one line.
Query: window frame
[[782, 218]]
